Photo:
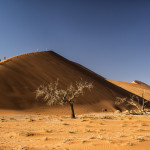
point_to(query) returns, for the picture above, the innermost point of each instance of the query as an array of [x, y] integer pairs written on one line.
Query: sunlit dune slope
[[21, 75], [136, 88]]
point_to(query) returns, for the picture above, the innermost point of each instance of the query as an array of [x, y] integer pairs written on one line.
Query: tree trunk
[[72, 111]]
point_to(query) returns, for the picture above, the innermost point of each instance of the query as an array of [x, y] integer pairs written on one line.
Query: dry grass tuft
[[71, 131], [92, 137], [45, 139], [65, 124], [88, 130], [84, 120], [12, 118], [130, 144], [49, 131], [67, 140], [27, 134], [121, 135], [31, 120], [139, 138], [3, 120], [107, 117], [83, 141], [100, 137], [143, 124]]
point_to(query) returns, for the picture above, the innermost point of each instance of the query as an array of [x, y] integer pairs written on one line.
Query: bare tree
[[52, 93], [133, 101]]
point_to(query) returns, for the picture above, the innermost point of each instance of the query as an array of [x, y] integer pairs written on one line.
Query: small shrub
[[49, 131], [3, 120], [71, 131], [83, 141], [45, 138], [65, 124], [12, 118], [121, 135], [67, 141], [143, 124], [92, 137], [107, 117], [130, 144], [140, 139], [88, 130], [27, 134], [31, 120], [100, 137]]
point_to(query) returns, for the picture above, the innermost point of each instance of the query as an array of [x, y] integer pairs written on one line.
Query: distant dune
[[136, 87], [21, 75]]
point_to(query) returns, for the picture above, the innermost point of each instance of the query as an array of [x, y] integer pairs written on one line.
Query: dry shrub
[[71, 131], [49, 131], [26, 134], [107, 117], [100, 137], [139, 138], [67, 140], [65, 124]]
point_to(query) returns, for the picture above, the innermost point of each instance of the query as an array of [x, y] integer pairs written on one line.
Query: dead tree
[[52, 93], [133, 101]]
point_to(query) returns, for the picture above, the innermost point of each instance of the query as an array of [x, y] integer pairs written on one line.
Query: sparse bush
[[140, 139], [92, 137], [65, 124], [121, 135], [133, 101], [71, 131], [130, 144], [107, 117], [100, 137], [67, 141], [31, 120], [83, 141], [49, 131], [27, 134], [45, 139]]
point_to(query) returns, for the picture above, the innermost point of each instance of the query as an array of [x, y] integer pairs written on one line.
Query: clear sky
[[110, 37]]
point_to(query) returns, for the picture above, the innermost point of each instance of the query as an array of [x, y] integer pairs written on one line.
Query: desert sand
[[106, 131]]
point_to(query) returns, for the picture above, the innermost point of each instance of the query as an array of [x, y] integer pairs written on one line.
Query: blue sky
[[110, 37]]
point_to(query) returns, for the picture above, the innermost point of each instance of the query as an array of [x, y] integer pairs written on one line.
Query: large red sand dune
[[21, 75]]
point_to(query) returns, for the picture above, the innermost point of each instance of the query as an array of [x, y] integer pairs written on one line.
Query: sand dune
[[21, 75], [138, 89]]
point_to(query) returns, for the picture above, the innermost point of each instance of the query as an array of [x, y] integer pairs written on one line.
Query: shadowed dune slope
[[21, 75]]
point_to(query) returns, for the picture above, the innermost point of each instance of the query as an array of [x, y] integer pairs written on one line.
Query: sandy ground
[[104, 131]]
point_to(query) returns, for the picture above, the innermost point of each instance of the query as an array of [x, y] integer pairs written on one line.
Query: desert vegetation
[[133, 102], [52, 93]]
